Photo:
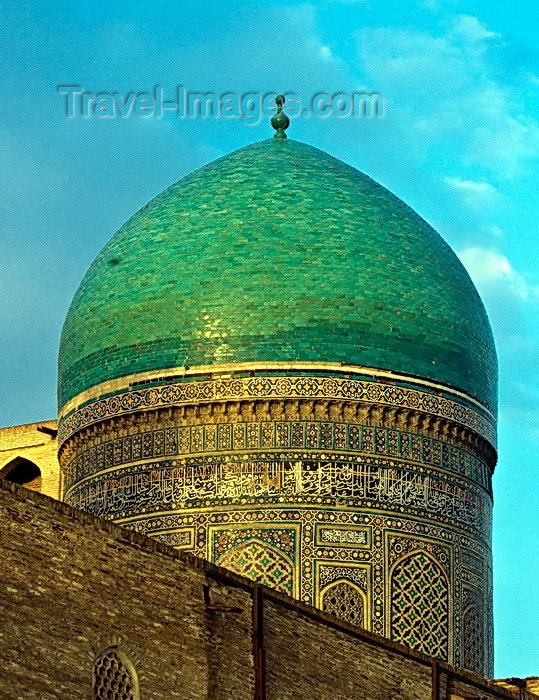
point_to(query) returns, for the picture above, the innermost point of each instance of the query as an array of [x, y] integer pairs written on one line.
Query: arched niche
[[419, 601], [114, 676], [261, 562], [23, 472], [346, 600]]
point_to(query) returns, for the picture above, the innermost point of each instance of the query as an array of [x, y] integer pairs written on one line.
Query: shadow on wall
[[23, 472]]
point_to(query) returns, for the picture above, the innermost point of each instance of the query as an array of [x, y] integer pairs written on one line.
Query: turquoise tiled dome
[[277, 252]]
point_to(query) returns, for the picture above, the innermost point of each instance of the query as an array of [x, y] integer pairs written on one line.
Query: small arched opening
[[114, 676], [23, 472], [345, 600]]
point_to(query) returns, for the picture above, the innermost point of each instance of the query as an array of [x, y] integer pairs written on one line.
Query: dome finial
[[280, 120]]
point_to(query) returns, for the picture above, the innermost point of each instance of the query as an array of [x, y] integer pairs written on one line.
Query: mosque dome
[[278, 253], [278, 366]]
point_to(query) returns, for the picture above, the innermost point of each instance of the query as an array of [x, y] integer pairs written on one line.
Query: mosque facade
[[280, 367]]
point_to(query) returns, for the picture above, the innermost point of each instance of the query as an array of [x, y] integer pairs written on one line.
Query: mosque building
[[278, 366]]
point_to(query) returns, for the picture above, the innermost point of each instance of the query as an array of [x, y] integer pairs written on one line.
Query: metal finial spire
[[280, 120]]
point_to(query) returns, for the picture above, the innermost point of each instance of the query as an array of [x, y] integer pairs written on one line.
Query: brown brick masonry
[[37, 443], [72, 585]]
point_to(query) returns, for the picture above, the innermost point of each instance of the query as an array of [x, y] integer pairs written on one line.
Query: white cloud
[[325, 52], [474, 193], [443, 89], [472, 29], [511, 302], [294, 33], [491, 270], [493, 230]]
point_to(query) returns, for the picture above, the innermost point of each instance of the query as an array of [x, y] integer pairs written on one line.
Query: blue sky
[[459, 142]]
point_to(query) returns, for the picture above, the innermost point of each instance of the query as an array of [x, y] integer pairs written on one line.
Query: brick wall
[[72, 585], [531, 684], [28, 442]]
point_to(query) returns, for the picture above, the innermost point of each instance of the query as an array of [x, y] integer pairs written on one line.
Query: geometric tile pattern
[[338, 503], [306, 435], [344, 600], [281, 537], [112, 679], [193, 392], [291, 527], [400, 545], [472, 630], [357, 479], [261, 563], [331, 573], [420, 605]]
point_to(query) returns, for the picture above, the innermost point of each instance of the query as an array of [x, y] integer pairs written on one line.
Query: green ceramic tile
[[277, 252]]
